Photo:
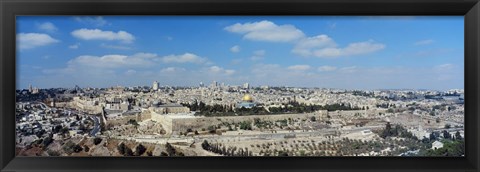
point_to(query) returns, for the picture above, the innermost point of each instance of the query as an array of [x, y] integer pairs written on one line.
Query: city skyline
[[382, 52]]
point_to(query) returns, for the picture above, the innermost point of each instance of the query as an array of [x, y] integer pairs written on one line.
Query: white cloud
[[135, 61], [424, 42], [114, 61], [215, 69], [127, 69], [220, 70], [236, 61], [305, 46], [151, 56], [352, 49], [258, 55], [117, 47], [184, 58], [266, 31], [130, 72], [97, 34], [32, 40], [350, 69], [326, 68], [172, 69], [444, 67], [325, 47], [229, 71], [317, 46], [47, 26], [299, 67], [74, 46], [430, 52], [235, 49], [168, 69], [256, 58], [96, 21]]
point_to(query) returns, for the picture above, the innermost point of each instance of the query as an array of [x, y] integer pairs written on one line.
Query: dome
[[247, 98]]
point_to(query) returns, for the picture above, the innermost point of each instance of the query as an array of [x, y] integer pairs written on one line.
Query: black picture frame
[[470, 9]]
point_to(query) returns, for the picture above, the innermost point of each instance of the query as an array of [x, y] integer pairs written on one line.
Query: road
[[96, 128]]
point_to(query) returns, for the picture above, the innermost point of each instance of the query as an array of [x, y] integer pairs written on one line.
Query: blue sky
[[307, 51]]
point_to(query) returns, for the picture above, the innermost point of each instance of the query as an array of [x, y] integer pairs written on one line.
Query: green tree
[[245, 125], [86, 148], [447, 126], [163, 154], [139, 150], [97, 140], [390, 110], [47, 141], [458, 136], [124, 150], [446, 134], [170, 149]]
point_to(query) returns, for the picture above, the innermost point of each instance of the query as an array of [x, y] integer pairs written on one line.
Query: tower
[[246, 85], [214, 84], [155, 86]]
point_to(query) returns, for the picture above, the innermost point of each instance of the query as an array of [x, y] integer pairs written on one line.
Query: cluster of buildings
[[74, 108], [36, 120]]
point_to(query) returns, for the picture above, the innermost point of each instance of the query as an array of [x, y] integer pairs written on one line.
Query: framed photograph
[[239, 85]]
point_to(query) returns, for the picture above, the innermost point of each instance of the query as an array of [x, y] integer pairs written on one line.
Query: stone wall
[[164, 120], [145, 115], [176, 125], [61, 104], [121, 120], [81, 106]]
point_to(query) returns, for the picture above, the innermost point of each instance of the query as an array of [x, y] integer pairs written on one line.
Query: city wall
[[145, 115], [61, 104], [121, 120], [175, 125], [167, 122], [84, 106]]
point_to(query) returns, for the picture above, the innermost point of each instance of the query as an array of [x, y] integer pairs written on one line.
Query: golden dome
[[247, 98]]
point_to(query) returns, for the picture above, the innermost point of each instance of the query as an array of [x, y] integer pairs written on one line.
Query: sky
[[349, 52]]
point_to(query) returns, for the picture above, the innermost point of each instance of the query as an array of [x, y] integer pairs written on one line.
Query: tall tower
[[155, 86], [214, 84], [30, 88], [246, 85]]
